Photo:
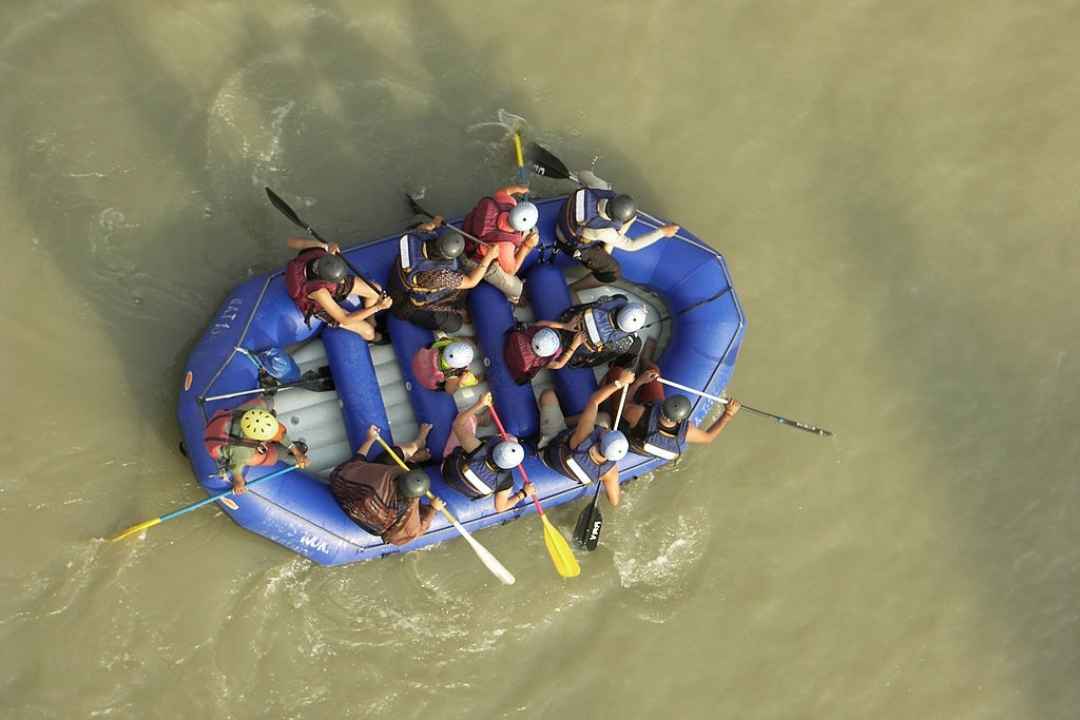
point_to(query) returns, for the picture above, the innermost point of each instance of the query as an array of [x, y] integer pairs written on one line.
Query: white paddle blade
[[497, 569]]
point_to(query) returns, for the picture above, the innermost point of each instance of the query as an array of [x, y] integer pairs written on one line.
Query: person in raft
[[382, 498], [544, 344], [507, 228], [610, 325], [660, 426], [444, 365], [248, 436], [427, 282], [593, 222], [589, 453], [482, 468], [317, 281]]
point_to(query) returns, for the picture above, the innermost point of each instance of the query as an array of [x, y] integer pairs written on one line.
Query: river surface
[[896, 188]]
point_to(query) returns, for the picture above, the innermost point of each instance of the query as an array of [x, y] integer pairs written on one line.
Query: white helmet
[[458, 354], [523, 216], [545, 342], [613, 445], [508, 454], [631, 317]]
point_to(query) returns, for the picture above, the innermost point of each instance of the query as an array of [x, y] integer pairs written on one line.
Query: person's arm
[[555, 325], [696, 435], [622, 242], [644, 379], [307, 244], [560, 363], [462, 428], [452, 384], [506, 194], [427, 513], [473, 279], [372, 433], [531, 241], [431, 224], [587, 419], [504, 500]]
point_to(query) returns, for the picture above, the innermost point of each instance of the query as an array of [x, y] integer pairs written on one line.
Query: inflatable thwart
[[374, 383]]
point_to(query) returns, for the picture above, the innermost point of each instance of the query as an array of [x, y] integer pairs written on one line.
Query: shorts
[[596, 259], [509, 285]]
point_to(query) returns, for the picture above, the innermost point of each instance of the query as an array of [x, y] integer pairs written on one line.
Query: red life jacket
[[483, 222], [299, 286], [222, 431], [520, 357]]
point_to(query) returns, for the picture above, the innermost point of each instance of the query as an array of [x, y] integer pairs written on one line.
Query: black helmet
[[621, 208], [414, 483], [448, 246], [330, 268], [676, 408]]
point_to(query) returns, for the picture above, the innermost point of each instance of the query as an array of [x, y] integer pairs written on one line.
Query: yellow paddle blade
[[518, 155], [136, 529], [559, 550]]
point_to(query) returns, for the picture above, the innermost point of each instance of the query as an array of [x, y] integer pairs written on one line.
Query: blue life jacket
[[599, 321], [472, 474], [581, 211], [650, 438], [411, 262], [577, 464]]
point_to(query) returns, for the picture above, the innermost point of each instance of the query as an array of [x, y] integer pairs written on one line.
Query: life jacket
[[368, 494], [599, 321], [577, 464], [581, 211], [223, 431], [518, 352], [649, 437], [299, 284], [474, 474], [483, 222], [411, 262]]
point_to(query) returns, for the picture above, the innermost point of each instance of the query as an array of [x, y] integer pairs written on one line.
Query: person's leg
[[510, 285], [552, 421], [611, 488], [368, 295], [416, 451], [361, 327], [605, 269]]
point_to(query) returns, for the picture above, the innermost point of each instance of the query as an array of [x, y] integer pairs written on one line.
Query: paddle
[[194, 506], [590, 522], [496, 567], [783, 420], [559, 550], [288, 212], [418, 209], [545, 164], [311, 380]]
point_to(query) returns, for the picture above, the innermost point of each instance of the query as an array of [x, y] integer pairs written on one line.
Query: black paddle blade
[[544, 163], [317, 380], [587, 530], [284, 209], [416, 207]]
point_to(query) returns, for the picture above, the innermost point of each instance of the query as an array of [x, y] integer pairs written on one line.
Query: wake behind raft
[[375, 384]]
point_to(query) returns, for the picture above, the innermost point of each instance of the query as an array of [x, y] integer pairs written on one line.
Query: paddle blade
[[490, 562], [416, 207], [587, 530], [284, 209], [136, 529], [545, 164], [559, 550]]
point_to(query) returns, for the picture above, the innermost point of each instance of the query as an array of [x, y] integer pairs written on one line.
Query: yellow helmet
[[259, 425]]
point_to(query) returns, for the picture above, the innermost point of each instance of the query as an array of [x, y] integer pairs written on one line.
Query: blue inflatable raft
[[374, 384]]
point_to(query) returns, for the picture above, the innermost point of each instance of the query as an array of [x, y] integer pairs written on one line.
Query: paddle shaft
[[417, 207], [786, 421], [521, 468], [305, 384], [285, 209]]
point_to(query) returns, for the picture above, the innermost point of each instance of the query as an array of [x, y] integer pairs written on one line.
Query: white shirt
[[611, 237]]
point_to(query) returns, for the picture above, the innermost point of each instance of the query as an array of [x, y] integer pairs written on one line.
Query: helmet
[[631, 317], [448, 246], [330, 268], [676, 408], [621, 208], [258, 425], [545, 342], [414, 483], [508, 454], [613, 445], [523, 216], [458, 354]]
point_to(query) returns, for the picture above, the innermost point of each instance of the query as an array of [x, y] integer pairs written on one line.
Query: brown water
[[896, 190]]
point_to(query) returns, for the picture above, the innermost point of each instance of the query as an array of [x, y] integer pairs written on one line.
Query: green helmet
[[414, 483]]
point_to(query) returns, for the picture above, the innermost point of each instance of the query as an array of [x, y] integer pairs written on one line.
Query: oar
[[313, 381], [194, 506], [590, 522], [522, 171], [783, 420], [288, 212], [496, 567], [688, 308], [545, 164], [418, 209], [559, 550]]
